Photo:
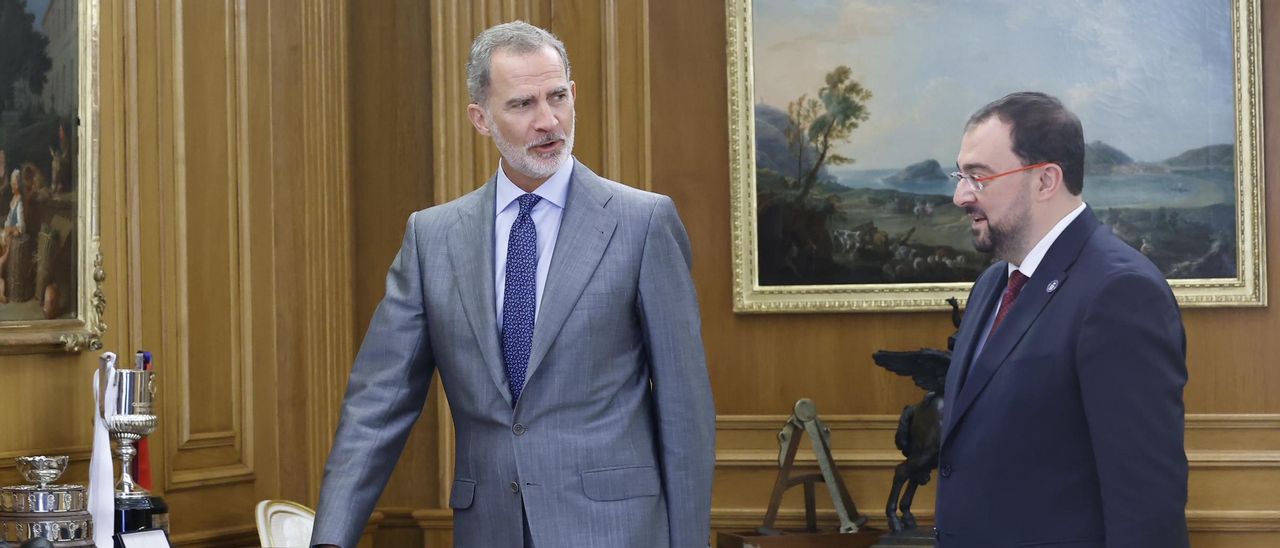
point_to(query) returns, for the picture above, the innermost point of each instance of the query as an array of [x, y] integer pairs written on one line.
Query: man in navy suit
[[1065, 425]]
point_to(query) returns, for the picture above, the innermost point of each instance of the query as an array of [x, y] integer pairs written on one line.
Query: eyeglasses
[[977, 183]]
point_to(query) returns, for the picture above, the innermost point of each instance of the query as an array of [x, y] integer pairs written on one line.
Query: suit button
[[519, 429], [937, 534], [945, 471], [515, 487]]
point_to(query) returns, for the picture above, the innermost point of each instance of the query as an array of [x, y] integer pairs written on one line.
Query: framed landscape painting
[[50, 267], [846, 116]]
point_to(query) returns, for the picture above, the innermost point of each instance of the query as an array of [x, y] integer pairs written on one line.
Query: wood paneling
[[199, 270], [391, 177], [203, 263], [259, 160], [606, 41], [762, 364]]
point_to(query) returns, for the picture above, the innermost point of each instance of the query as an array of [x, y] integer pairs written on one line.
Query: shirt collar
[[555, 189], [1037, 253]]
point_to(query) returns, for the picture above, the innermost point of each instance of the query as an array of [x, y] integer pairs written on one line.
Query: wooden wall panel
[[391, 177], [259, 160], [276, 52], [194, 261], [204, 277], [606, 41]]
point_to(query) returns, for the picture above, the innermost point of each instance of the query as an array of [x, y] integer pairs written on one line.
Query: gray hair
[[517, 37]]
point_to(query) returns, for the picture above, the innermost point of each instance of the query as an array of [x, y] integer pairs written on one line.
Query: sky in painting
[[37, 8], [1153, 78]]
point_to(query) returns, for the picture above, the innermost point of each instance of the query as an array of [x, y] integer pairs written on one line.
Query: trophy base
[[141, 513], [134, 493]]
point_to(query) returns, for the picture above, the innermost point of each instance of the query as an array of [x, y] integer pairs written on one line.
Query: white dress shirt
[[546, 216]]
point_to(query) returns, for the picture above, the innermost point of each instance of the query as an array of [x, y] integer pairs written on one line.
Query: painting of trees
[[794, 231], [821, 122], [22, 51]]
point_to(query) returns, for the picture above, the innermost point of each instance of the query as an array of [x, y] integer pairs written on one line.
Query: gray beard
[[526, 162]]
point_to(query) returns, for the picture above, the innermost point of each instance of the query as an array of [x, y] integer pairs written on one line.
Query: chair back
[[284, 524]]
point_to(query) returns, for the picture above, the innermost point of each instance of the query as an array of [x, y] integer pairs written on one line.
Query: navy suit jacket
[[1068, 428]]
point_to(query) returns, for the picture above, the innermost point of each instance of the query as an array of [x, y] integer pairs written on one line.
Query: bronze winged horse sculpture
[[919, 434]]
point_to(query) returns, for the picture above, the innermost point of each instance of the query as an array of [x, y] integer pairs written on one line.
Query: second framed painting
[[846, 117]]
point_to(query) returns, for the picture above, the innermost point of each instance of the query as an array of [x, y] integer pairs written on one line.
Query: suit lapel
[[979, 308], [471, 254], [585, 230], [1035, 296]]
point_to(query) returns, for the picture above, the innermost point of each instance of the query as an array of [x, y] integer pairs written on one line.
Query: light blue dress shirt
[[546, 216]]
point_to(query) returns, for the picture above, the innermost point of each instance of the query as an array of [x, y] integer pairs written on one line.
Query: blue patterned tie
[[519, 297]]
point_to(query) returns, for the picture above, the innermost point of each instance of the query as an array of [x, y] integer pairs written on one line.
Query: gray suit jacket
[[612, 440]]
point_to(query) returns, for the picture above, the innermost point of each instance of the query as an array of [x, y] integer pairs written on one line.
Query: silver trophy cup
[[133, 418]]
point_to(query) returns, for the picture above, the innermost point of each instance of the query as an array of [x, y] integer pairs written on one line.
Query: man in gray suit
[[559, 309]]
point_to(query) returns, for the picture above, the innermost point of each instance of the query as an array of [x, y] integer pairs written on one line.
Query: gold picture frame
[[1247, 288], [53, 273]]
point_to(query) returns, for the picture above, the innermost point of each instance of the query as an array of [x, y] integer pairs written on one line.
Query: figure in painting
[[14, 232], [60, 163]]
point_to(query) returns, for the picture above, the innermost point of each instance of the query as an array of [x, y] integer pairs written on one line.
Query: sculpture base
[[907, 537]]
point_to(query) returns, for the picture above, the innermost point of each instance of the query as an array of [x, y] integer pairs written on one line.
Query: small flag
[[142, 465]]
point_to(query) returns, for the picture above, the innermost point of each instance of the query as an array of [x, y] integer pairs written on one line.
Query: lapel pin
[[1052, 287]]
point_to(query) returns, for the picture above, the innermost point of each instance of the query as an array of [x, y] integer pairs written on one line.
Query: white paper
[[101, 470], [153, 538]]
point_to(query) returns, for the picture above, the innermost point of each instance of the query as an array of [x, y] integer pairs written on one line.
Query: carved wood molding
[[182, 480], [731, 519], [1215, 441], [623, 87], [745, 519], [1234, 520], [175, 287], [434, 519], [328, 273], [238, 535]]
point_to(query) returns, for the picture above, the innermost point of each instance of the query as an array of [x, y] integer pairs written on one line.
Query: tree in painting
[[22, 51], [795, 239], [822, 122]]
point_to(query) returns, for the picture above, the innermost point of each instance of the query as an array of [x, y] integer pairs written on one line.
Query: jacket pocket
[[600, 299], [464, 492], [621, 482]]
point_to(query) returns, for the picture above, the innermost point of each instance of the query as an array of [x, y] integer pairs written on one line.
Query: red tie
[[1011, 290]]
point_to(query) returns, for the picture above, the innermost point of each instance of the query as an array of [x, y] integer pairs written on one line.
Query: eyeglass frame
[[977, 183]]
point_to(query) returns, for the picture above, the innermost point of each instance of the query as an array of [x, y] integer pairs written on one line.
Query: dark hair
[[1042, 130]]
